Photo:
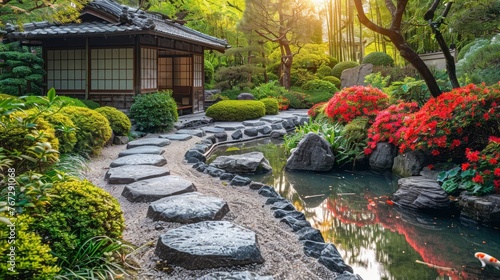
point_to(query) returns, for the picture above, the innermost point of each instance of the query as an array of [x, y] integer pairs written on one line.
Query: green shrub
[[378, 59], [78, 211], [319, 97], [340, 67], [323, 71], [271, 104], [319, 86], [334, 80], [271, 89], [119, 122], [154, 112], [231, 94], [93, 129], [33, 259], [351, 146], [297, 100], [377, 80], [209, 72], [300, 76], [481, 63], [236, 110], [65, 131], [91, 104], [4, 96], [33, 100]]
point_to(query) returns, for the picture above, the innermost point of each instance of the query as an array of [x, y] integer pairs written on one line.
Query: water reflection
[[379, 240]]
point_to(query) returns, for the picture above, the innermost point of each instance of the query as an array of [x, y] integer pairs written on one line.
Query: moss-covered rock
[[119, 122], [93, 129], [236, 110]]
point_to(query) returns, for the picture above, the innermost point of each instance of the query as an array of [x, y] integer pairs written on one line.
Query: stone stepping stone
[[140, 159], [193, 132], [238, 275], [132, 173], [155, 188], [188, 208], [148, 142], [152, 150], [213, 129], [177, 137], [230, 127], [253, 123], [209, 244], [271, 119]]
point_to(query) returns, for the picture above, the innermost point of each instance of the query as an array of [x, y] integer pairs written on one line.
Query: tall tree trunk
[[286, 64]]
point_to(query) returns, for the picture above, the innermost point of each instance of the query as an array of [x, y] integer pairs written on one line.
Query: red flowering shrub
[[357, 101], [480, 174], [446, 125], [388, 123], [316, 109], [283, 103]]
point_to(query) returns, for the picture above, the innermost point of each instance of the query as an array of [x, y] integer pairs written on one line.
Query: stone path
[[205, 241]]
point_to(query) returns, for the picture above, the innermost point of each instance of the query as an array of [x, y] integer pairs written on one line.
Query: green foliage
[[91, 104], [378, 59], [231, 94], [337, 69], [481, 63], [236, 110], [377, 80], [21, 70], [65, 130], [119, 122], [271, 104], [270, 89], [73, 165], [78, 211], [297, 100], [334, 80], [323, 71], [154, 112], [93, 129], [209, 72], [311, 57], [236, 76], [330, 132], [301, 76], [33, 258], [319, 86], [351, 146], [33, 101], [410, 90]]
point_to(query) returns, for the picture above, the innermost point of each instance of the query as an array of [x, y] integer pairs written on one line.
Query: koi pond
[[377, 239]]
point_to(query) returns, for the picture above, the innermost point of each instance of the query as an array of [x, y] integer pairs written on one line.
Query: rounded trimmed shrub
[[334, 80], [356, 101], [33, 258], [119, 122], [91, 104], [378, 59], [154, 112], [93, 129], [78, 210], [271, 104], [65, 131], [323, 70], [319, 86], [236, 110], [340, 67]]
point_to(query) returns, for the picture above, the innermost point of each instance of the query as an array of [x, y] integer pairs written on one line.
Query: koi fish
[[487, 259]]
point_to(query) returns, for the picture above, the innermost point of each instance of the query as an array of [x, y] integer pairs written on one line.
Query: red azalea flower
[[435, 152], [497, 172], [465, 166], [494, 139], [478, 179], [493, 161], [472, 156]]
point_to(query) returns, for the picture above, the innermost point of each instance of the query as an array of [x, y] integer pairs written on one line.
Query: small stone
[[227, 176], [265, 130], [268, 191], [253, 123], [120, 140], [213, 129], [240, 181], [309, 233], [221, 136], [251, 132], [256, 185], [237, 135]]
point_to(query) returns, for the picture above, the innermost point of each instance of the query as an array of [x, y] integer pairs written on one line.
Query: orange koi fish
[[487, 259]]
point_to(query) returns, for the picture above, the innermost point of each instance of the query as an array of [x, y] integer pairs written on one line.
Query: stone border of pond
[[313, 243]]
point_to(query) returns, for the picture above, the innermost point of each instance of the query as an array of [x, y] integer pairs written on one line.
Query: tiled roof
[[128, 20]]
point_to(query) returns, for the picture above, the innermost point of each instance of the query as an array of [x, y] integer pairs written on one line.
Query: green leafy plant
[[65, 130], [319, 86], [480, 174], [330, 132], [119, 122], [323, 71], [93, 129], [91, 104], [270, 89], [40, 101], [377, 80], [350, 146], [378, 59], [154, 112], [271, 104], [334, 80], [236, 110]]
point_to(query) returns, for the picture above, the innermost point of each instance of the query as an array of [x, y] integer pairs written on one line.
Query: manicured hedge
[[236, 110], [272, 105]]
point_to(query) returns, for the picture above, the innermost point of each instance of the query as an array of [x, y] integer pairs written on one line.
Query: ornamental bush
[[323, 71], [271, 104], [340, 67], [378, 59], [236, 110], [480, 174], [271, 89], [77, 211], [334, 80], [317, 109], [154, 112], [91, 104], [65, 131], [445, 126], [119, 122], [319, 86], [387, 124], [357, 101], [33, 258], [93, 129], [297, 100]]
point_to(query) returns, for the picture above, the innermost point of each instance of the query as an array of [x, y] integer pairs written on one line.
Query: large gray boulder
[[422, 194], [313, 153], [409, 163], [484, 210], [209, 244], [382, 157], [254, 162], [355, 76], [188, 208], [155, 188]]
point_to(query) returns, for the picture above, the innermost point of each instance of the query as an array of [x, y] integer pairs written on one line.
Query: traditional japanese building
[[116, 52]]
